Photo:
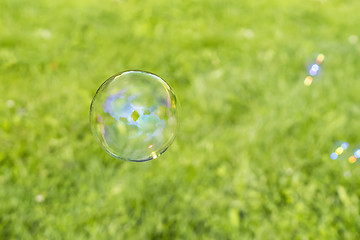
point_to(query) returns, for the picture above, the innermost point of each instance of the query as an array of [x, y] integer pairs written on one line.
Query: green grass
[[251, 160]]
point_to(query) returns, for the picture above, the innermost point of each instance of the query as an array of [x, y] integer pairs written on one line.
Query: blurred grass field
[[251, 160]]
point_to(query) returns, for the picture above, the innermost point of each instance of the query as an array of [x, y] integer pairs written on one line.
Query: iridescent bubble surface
[[134, 116]]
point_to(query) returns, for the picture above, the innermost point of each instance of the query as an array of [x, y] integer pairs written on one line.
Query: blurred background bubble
[[314, 69], [339, 149]]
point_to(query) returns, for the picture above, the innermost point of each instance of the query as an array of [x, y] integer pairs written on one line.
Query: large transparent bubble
[[134, 116]]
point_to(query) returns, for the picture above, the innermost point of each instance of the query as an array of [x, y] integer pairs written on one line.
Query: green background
[[251, 160]]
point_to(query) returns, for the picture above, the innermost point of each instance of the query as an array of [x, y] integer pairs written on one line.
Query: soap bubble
[[134, 116], [314, 69], [339, 149]]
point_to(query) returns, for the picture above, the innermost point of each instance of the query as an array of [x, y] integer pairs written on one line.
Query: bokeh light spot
[[357, 153], [339, 150], [314, 69], [345, 145], [352, 159], [334, 156], [308, 81], [320, 58]]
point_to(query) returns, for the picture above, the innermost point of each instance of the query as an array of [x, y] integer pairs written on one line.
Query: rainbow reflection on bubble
[[314, 69]]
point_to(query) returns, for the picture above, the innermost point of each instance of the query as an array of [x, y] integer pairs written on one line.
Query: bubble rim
[[177, 115]]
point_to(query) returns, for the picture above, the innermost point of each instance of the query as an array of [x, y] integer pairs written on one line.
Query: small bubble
[[339, 150], [314, 69]]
